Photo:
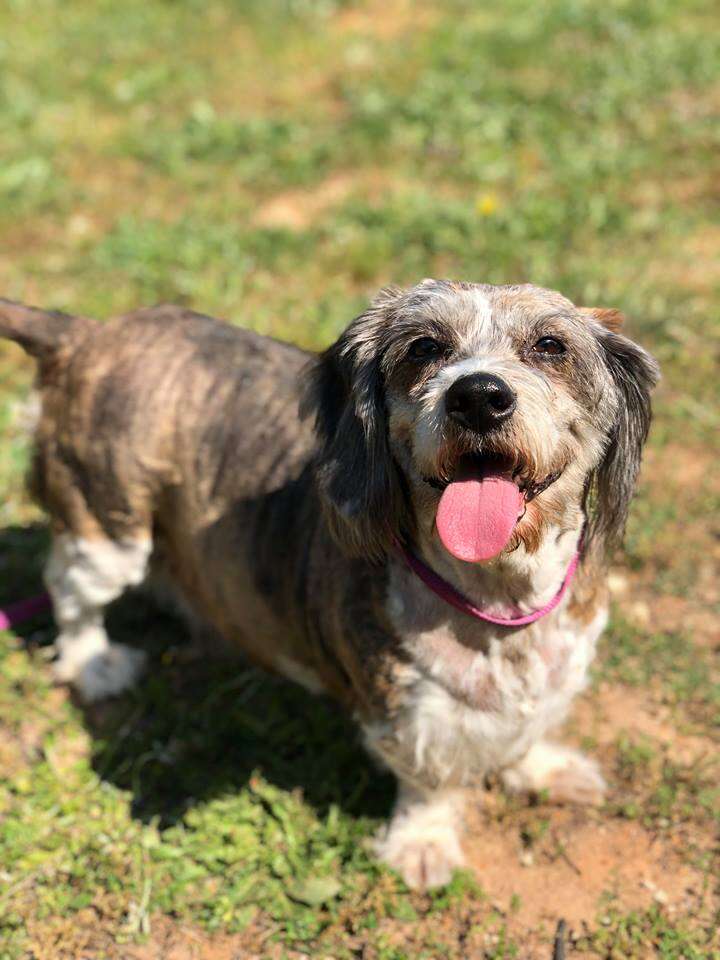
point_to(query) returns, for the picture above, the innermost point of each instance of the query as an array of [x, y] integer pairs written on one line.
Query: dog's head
[[481, 415]]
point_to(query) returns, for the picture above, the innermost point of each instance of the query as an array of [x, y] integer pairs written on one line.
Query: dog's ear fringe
[[608, 317], [612, 486], [359, 484]]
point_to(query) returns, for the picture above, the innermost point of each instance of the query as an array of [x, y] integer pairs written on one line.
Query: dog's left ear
[[634, 373], [359, 482], [607, 317]]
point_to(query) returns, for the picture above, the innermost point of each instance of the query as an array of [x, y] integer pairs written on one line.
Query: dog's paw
[[566, 775], [423, 862], [422, 840], [103, 674], [578, 781]]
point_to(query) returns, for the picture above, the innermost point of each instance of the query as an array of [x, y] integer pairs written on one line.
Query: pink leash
[[16, 613], [447, 592]]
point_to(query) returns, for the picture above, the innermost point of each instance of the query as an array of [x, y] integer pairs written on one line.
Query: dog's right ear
[[358, 480]]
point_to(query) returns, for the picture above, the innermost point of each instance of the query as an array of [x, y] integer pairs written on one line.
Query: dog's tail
[[41, 333]]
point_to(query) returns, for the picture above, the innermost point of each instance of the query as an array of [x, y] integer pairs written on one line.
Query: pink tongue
[[477, 516]]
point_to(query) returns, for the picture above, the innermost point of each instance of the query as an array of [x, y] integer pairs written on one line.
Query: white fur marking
[[484, 309], [83, 576], [565, 773], [468, 712], [421, 841]]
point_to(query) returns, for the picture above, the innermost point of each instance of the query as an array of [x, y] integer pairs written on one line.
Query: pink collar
[[447, 592]]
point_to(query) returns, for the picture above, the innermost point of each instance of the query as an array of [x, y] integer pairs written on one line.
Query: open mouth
[[482, 503]]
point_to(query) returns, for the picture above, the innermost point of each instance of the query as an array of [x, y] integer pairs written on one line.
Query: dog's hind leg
[[83, 576]]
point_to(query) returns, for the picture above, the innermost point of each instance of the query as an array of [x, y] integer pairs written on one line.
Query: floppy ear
[[634, 373], [359, 481]]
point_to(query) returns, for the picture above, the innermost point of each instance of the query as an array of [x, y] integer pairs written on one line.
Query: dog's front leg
[[422, 839]]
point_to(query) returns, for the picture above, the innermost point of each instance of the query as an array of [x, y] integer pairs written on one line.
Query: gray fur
[[369, 478], [360, 483], [171, 432], [634, 373], [39, 332]]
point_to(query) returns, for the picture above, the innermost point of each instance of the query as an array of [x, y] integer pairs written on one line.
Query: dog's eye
[[424, 349], [549, 347]]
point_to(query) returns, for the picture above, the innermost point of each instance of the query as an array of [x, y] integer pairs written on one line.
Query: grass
[[274, 163], [636, 658], [624, 936]]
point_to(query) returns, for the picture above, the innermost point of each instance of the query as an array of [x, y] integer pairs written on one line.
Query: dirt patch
[[618, 710], [299, 209], [681, 485], [660, 465], [171, 940], [89, 933], [584, 859], [673, 614], [384, 20], [694, 105], [17, 751], [695, 266]]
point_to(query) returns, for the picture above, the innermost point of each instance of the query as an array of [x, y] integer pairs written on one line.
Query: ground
[[274, 163]]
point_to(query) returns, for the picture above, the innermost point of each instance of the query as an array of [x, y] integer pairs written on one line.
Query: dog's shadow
[[197, 727]]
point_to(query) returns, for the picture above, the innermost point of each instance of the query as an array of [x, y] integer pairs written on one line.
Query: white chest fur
[[476, 696]]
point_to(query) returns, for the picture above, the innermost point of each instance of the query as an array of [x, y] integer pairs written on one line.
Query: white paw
[[422, 863], [566, 775], [103, 674], [578, 781], [422, 841]]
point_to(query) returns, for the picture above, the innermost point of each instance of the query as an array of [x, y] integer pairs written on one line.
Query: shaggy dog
[[416, 522]]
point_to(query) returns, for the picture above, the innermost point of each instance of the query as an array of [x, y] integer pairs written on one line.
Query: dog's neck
[[466, 656], [518, 582]]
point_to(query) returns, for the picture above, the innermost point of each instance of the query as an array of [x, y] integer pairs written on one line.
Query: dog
[[416, 521]]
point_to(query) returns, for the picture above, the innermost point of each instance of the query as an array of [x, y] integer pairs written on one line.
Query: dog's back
[[169, 429], [132, 405]]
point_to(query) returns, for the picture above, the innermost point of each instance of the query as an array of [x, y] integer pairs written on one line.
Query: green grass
[[625, 936], [683, 672], [274, 163]]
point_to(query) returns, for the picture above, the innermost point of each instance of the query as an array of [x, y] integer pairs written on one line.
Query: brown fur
[[590, 591], [279, 529], [143, 430], [143, 433], [610, 318]]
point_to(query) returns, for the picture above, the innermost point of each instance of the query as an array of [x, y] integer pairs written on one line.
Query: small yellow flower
[[486, 204]]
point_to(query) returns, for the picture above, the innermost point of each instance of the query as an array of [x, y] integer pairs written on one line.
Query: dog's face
[[481, 415]]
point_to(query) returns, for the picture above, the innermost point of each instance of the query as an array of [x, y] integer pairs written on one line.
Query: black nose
[[480, 401]]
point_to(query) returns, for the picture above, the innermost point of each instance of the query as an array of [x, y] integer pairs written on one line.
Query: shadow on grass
[[199, 727], [22, 555]]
